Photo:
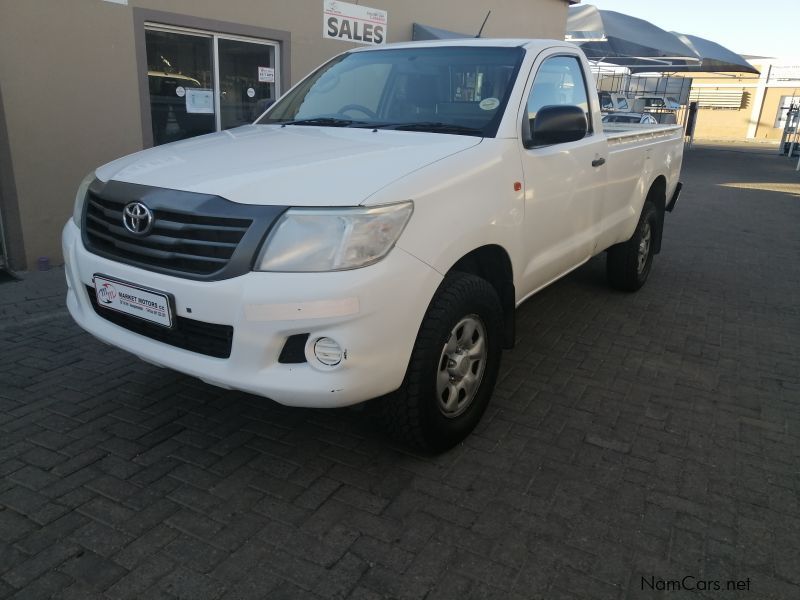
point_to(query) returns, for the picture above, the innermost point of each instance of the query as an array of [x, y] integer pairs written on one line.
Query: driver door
[[564, 183]]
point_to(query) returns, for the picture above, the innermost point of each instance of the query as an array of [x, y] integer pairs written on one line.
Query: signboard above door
[[353, 23]]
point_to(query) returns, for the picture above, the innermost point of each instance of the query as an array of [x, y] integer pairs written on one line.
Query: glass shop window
[[204, 82]]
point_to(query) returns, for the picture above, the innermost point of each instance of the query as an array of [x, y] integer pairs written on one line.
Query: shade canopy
[[421, 32], [713, 57], [624, 40]]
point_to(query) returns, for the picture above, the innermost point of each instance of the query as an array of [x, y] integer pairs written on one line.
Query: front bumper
[[374, 314]]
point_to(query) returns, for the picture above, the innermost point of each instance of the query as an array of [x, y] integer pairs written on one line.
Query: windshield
[[452, 89]]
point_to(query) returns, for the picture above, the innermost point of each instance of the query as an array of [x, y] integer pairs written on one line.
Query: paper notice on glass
[[199, 101], [266, 75]]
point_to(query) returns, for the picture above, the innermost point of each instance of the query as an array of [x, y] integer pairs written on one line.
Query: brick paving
[[631, 437]]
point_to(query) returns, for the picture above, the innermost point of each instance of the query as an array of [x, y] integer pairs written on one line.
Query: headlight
[[80, 198], [308, 240]]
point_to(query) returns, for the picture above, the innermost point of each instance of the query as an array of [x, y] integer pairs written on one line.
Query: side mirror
[[557, 124]]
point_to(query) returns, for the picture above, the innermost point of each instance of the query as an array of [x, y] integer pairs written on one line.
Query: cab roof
[[528, 44]]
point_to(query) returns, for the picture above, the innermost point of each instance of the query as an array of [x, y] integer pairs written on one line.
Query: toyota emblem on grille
[[137, 218]]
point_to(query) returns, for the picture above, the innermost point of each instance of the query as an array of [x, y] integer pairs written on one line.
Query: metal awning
[[713, 57], [620, 39], [613, 37], [421, 32]]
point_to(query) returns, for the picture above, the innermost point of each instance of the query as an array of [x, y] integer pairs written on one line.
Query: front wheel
[[628, 264], [453, 366]]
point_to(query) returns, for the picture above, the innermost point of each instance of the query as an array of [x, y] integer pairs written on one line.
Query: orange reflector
[[517, 186]]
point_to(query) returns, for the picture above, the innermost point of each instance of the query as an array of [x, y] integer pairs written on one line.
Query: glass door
[[201, 82], [246, 80], [180, 78]]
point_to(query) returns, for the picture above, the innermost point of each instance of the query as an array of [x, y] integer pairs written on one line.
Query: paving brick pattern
[[654, 435]]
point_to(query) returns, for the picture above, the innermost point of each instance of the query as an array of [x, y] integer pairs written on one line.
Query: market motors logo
[[107, 293]]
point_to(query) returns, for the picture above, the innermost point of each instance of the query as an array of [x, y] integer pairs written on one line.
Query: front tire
[[453, 366], [628, 264]]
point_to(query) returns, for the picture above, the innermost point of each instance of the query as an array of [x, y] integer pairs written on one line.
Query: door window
[[559, 81], [204, 82]]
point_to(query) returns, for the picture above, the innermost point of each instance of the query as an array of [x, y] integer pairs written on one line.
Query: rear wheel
[[628, 264], [453, 366]]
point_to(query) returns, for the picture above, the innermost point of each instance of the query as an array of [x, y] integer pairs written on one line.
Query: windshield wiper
[[433, 126], [328, 121]]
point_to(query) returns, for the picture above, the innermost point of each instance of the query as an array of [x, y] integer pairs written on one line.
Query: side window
[[559, 80]]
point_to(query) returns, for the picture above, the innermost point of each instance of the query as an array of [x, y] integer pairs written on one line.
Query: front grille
[[196, 336], [194, 236], [191, 243]]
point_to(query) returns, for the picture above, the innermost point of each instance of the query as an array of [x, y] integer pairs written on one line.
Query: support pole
[[691, 121], [790, 127]]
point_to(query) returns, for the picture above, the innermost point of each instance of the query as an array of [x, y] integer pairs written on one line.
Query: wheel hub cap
[[458, 366], [644, 248], [461, 366]]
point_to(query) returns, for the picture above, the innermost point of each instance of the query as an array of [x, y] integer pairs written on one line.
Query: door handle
[[598, 162]]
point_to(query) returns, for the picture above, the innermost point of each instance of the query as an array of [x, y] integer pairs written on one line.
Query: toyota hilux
[[372, 233]]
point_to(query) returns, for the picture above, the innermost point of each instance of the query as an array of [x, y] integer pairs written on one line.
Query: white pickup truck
[[371, 235]]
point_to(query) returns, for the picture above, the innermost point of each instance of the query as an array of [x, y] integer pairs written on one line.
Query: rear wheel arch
[[657, 195], [628, 263]]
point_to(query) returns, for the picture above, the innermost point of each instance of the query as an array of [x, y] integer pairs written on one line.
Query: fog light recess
[[328, 352]]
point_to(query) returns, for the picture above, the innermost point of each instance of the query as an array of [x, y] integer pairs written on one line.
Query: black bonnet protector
[[186, 234]]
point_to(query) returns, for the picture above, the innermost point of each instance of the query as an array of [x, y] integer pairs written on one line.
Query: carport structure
[[620, 39]]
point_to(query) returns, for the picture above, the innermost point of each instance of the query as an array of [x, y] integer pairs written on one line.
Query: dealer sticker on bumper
[[133, 300]]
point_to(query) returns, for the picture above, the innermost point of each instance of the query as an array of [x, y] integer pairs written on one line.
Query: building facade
[[737, 106], [86, 81]]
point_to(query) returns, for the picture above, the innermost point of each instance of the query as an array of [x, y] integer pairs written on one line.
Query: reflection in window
[[246, 81], [364, 83], [183, 92], [180, 82], [462, 86], [559, 81]]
